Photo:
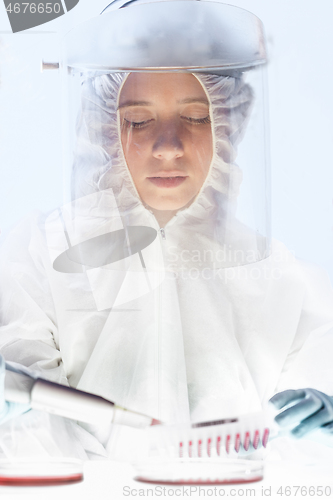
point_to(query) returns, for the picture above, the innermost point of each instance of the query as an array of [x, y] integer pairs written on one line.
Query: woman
[[146, 288]]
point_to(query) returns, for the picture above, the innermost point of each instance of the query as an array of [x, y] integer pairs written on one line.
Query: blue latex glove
[[310, 410], [8, 410]]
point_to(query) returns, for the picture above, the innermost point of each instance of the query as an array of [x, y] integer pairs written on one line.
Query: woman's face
[[166, 137]]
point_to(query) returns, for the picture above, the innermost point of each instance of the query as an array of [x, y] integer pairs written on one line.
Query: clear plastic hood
[[165, 123]]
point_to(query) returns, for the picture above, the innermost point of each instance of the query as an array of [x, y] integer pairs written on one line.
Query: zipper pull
[[162, 233]]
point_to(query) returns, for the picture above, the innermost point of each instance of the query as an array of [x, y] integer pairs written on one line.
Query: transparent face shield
[[171, 118], [166, 188]]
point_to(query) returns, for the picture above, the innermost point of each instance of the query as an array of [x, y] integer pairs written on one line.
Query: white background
[[300, 41]]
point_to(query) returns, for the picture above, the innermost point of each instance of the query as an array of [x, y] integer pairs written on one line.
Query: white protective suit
[[196, 334]]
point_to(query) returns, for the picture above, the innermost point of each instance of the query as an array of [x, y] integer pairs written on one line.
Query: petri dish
[[41, 472], [199, 471]]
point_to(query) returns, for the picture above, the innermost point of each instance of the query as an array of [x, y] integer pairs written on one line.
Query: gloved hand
[[310, 410], [8, 409]]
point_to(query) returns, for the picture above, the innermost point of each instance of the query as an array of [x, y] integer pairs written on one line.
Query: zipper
[[158, 304]]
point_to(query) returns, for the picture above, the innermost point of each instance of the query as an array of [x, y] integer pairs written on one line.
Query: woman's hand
[[8, 409], [310, 410]]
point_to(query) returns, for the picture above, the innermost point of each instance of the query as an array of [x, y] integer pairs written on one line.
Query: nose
[[168, 144]]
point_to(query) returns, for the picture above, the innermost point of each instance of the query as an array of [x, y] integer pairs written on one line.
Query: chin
[[160, 204]]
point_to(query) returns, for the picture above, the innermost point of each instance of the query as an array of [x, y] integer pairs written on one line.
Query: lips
[[168, 182]]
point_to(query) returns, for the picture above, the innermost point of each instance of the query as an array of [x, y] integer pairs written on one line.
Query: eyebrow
[[188, 100], [134, 103]]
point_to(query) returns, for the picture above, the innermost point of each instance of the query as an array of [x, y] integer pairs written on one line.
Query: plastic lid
[[168, 35]]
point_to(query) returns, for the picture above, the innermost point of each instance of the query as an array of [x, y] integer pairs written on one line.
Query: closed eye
[[137, 124], [197, 121]]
